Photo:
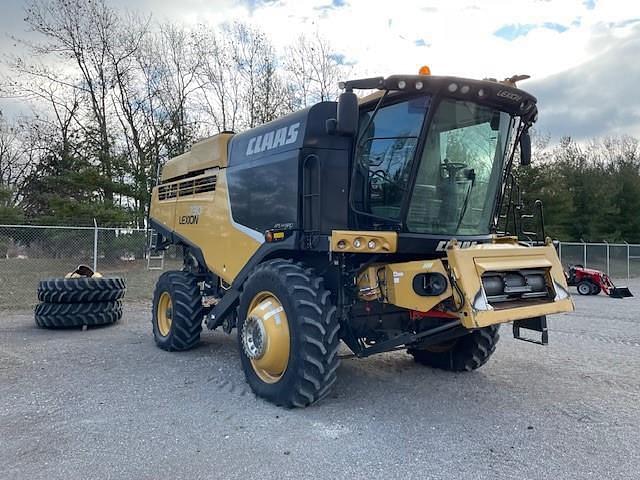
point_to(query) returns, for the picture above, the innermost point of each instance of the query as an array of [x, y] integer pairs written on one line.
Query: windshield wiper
[[471, 175]]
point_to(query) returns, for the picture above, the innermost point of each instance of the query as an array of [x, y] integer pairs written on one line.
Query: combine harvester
[[372, 221]]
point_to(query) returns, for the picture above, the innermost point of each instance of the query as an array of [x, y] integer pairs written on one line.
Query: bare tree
[[81, 32], [14, 162], [314, 68], [219, 79]]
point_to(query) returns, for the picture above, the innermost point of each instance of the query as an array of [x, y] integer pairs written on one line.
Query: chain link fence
[[618, 260], [29, 253]]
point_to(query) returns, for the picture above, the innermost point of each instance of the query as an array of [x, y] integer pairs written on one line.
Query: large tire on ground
[[177, 311], [462, 354], [81, 290], [288, 334], [73, 315], [595, 289], [584, 287]]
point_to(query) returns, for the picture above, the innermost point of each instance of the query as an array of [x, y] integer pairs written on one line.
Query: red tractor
[[592, 282]]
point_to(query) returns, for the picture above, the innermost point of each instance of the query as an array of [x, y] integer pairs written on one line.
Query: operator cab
[[432, 154]]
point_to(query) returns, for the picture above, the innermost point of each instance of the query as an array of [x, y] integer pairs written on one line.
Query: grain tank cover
[[208, 153]]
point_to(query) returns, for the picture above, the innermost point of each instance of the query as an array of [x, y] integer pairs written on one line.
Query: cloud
[[594, 99], [511, 32], [575, 37], [331, 6], [252, 5]]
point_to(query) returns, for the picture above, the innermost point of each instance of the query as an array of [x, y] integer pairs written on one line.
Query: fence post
[[584, 254], [607, 244], [560, 252], [95, 245], [628, 270]]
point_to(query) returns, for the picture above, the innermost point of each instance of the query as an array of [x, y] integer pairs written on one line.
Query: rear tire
[[462, 354], [73, 315], [281, 292], [584, 287], [177, 311]]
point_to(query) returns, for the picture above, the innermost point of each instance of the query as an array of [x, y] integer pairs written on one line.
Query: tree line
[[590, 191], [112, 94]]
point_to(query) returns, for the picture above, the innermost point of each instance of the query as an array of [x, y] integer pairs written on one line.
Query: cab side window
[[385, 154]]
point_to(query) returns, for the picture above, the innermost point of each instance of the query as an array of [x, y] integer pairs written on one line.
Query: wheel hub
[[254, 338], [265, 337]]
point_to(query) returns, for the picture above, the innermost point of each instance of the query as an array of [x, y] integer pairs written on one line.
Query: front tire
[[463, 354], [288, 334], [177, 311], [584, 287]]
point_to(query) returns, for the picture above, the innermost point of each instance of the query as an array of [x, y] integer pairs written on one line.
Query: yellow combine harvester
[[374, 222]]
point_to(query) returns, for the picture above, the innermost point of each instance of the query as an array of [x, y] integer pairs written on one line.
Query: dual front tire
[[288, 334]]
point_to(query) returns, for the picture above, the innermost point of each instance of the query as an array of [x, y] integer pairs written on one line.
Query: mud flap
[[620, 292], [537, 324]]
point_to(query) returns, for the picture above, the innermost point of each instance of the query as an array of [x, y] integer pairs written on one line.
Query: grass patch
[[19, 278]]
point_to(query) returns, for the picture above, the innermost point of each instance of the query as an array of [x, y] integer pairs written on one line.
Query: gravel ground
[[106, 403]]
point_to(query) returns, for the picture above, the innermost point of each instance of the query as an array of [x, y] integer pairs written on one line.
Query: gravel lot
[[106, 403]]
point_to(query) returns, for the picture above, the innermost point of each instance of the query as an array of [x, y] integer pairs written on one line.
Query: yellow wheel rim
[[164, 313], [265, 337]]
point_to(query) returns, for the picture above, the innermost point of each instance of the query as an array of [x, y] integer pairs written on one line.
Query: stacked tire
[[79, 302]]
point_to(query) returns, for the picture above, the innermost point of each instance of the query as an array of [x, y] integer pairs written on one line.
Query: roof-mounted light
[[424, 70]]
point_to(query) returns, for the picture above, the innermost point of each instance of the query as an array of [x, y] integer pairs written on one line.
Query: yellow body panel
[[399, 284], [467, 266], [208, 153], [393, 283], [204, 219], [385, 242]]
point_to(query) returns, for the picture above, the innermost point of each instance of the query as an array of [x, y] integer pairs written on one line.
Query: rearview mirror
[[525, 149], [347, 118]]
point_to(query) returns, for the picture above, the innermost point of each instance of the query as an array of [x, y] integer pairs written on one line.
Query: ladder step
[[155, 259]]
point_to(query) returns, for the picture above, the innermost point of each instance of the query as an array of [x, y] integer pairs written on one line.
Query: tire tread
[[468, 353], [70, 315], [81, 290], [317, 325]]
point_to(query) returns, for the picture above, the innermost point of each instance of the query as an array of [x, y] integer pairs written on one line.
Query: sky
[[583, 55]]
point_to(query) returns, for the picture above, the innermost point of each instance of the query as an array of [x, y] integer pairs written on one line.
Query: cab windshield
[[459, 171]]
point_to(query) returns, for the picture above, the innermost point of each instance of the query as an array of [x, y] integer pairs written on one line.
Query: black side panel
[[325, 199], [264, 192], [281, 135]]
